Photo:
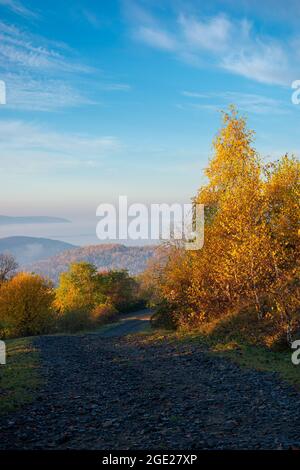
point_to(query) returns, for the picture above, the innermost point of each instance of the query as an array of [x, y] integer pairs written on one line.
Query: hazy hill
[[31, 249], [106, 256], [7, 220]]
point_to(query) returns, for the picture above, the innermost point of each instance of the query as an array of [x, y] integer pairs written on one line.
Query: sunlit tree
[[79, 288], [26, 305]]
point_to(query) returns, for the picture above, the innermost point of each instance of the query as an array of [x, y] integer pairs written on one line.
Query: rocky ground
[[132, 393]]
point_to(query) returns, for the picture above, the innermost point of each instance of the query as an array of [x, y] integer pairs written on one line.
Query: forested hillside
[[32, 249], [106, 256]]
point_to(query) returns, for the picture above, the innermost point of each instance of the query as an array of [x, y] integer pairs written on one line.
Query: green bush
[[73, 321]]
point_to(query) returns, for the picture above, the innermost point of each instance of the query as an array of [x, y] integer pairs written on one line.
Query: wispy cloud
[[224, 42], [156, 38], [116, 87], [25, 92], [91, 18], [44, 75], [22, 49], [212, 34], [194, 94], [18, 8], [41, 74], [249, 102], [27, 147], [261, 61]]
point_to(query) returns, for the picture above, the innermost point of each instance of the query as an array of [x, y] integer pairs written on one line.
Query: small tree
[[79, 288], [120, 288], [26, 305], [8, 266]]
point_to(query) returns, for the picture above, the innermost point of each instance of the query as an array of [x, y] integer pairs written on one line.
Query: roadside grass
[[236, 348], [250, 356], [20, 377], [88, 331]]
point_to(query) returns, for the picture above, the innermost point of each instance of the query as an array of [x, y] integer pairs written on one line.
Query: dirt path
[[131, 393], [129, 323]]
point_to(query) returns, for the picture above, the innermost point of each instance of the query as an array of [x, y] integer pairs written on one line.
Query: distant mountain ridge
[[31, 249], [39, 219], [106, 256]]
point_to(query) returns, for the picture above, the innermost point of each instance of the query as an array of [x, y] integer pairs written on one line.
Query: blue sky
[[123, 97]]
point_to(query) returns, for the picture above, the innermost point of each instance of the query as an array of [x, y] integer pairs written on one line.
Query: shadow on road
[[135, 322]]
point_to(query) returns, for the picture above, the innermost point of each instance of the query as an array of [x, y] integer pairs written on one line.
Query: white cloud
[[156, 38], [227, 43], [213, 35], [265, 63]]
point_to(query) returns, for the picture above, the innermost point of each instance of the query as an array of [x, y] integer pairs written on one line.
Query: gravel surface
[[129, 393], [129, 323]]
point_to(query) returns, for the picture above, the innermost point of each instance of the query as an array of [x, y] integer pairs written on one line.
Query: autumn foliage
[[250, 258], [246, 277], [83, 299], [26, 305]]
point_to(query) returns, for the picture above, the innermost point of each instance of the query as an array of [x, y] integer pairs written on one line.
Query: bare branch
[[8, 266]]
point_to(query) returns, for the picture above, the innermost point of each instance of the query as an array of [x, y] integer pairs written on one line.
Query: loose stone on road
[[130, 392]]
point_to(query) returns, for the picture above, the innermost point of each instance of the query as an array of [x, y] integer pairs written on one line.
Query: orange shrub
[[103, 313], [26, 303]]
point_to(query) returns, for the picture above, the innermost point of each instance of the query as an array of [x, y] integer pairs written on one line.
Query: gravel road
[[126, 392]]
